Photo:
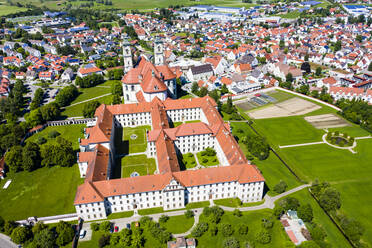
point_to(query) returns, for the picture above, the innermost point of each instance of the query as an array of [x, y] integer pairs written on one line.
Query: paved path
[[121, 223], [88, 100], [5, 242], [303, 144]]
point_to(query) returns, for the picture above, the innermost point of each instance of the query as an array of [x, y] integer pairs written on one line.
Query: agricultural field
[[344, 170], [137, 163], [7, 9]]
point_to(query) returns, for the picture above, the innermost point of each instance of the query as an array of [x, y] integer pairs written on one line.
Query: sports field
[[135, 138], [138, 163], [348, 172]]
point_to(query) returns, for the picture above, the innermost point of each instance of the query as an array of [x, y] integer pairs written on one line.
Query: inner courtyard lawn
[[70, 132], [207, 160], [178, 224], [137, 163], [135, 138], [43, 192]]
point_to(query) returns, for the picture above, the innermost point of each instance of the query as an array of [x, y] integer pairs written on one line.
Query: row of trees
[[330, 200], [89, 81], [357, 111], [38, 236], [33, 156], [38, 99]]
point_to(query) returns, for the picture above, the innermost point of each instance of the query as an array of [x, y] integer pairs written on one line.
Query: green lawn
[[188, 160], [280, 96], [197, 204], [148, 211], [211, 160], [77, 110], [93, 243], [138, 163], [288, 130], [228, 202], [43, 192], [120, 215], [334, 236], [352, 130], [70, 132], [7, 9], [253, 219], [135, 138], [178, 224]]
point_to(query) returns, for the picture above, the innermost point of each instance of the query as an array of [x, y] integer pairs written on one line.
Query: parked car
[[82, 233], [128, 226], [116, 229]]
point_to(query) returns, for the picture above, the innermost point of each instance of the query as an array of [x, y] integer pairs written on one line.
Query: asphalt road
[[6, 243]]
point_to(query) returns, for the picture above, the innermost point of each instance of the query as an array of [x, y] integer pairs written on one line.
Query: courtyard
[[131, 140], [137, 165]]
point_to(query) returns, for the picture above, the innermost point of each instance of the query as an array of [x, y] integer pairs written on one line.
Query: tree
[[65, 233], [189, 214], [242, 229], [104, 240], [94, 226], [280, 187], [117, 88], [203, 92], [257, 146], [289, 77], [125, 237], [90, 108], [116, 99], [194, 87], [163, 218], [330, 199], [105, 226], [224, 89], [307, 57], [370, 66], [318, 71], [267, 223], [2, 222], [34, 118], [13, 158], [318, 233], [21, 234], [289, 203], [306, 67], [9, 226], [66, 95], [226, 229], [50, 112], [309, 244], [44, 239], [31, 156], [353, 229], [199, 229], [231, 242], [281, 44], [263, 237], [305, 212], [237, 213], [337, 46], [359, 38], [38, 227], [137, 238]]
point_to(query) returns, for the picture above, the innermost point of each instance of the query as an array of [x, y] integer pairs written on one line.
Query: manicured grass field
[[70, 132], [253, 220], [334, 236], [137, 163], [228, 202], [288, 130], [77, 110], [148, 211], [138, 142], [88, 93], [7, 9], [197, 204], [120, 215], [178, 224], [280, 96], [352, 130], [211, 160], [43, 192]]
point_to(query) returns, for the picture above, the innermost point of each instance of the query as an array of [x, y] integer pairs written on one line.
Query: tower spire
[[127, 55]]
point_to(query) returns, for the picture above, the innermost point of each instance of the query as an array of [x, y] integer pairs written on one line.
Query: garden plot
[[326, 121], [292, 107]]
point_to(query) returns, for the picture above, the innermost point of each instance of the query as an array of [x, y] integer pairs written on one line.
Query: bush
[[263, 237], [280, 187], [205, 160], [289, 203], [164, 218], [104, 240], [41, 140], [351, 141], [53, 134], [9, 225], [305, 212], [2, 222], [341, 143], [337, 133], [226, 229], [237, 213], [199, 229], [213, 230], [242, 229], [105, 226], [267, 224], [189, 214], [231, 243], [21, 234], [94, 226]]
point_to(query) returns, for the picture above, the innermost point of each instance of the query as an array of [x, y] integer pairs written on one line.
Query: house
[[46, 75], [13, 60], [281, 70], [20, 75], [67, 75], [295, 227], [89, 69], [201, 72], [181, 242], [327, 82], [219, 64]]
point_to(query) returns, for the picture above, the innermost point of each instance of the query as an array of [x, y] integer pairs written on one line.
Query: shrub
[[9, 225], [213, 230], [289, 203], [242, 229], [41, 140], [21, 234], [237, 213], [207, 211], [337, 133], [53, 134], [189, 214], [203, 153], [145, 220], [94, 226], [231, 243], [280, 187], [199, 229], [226, 230], [351, 141], [164, 218], [105, 226], [263, 237], [205, 160], [267, 224], [341, 143], [305, 212], [190, 155]]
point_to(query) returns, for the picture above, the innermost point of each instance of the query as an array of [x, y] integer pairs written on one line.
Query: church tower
[[127, 56], [159, 52]]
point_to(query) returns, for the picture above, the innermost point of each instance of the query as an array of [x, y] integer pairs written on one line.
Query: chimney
[[153, 73]]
